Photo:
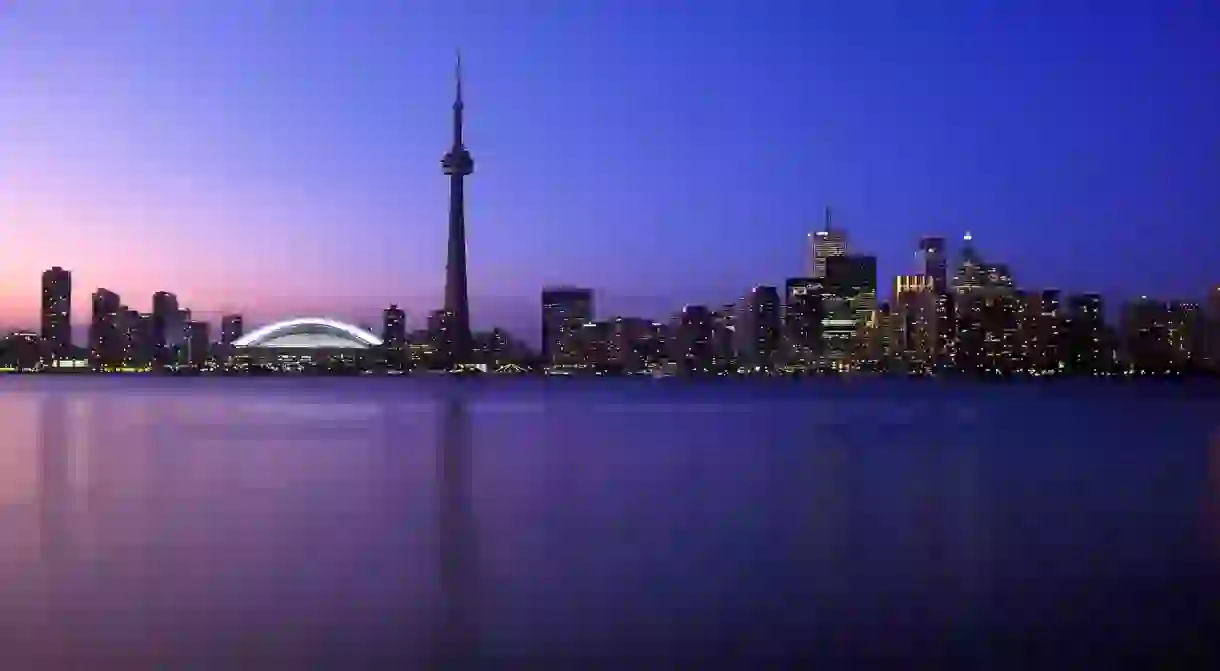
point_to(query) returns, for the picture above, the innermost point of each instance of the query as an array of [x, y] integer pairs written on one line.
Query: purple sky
[[283, 158]]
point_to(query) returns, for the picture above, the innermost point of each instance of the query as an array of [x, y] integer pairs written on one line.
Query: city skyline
[[621, 221]]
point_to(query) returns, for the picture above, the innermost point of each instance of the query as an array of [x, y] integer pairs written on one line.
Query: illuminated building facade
[[309, 339], [849, 301], [1041, 331], [564, 311], [631, 342], [824, 244], [969, 274], [56, 313], [803, 319], [913, 322]]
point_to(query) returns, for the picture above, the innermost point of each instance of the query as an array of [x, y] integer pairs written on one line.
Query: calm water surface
[[378, 523]]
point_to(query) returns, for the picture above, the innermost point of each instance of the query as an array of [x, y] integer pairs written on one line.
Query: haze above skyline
[[279, 162]]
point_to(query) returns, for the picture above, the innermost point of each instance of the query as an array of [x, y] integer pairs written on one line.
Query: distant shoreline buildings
[[963, 317]]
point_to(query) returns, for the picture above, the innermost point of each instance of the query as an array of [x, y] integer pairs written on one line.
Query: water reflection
[[360, 527], [457, 543]]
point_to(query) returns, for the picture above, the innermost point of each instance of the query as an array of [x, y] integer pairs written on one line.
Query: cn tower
[[457, 164]]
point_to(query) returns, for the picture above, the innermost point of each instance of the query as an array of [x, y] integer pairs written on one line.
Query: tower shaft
[[457, 163]]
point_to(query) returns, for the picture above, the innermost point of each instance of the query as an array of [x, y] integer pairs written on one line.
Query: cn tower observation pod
[[309, 333]]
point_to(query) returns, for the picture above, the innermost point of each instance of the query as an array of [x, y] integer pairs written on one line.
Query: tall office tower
[[232, 327], [761, 327], [724, 327], [564, 311], [853, 278], [803, 319], [57, 312], [164, 317], [1084, 332], [880, 337], [692, 347], [1041, 320], [913, 322], [177, 333], [197, 343], [129, 323], [946, 330], [143, 339], [458, 164], [824, 244], [104, 342], [969, 274], [394, 327], [933, 262]]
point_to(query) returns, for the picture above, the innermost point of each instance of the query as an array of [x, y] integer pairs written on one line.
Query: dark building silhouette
[[803, 316], [457, 164], [692, 346], [198, 343], [761, 327], [933, 262], [1160, 337], [564, 311], [105, 334], [232, 327], [394, 328], [56, 312], [164, 318], [1085, 335]]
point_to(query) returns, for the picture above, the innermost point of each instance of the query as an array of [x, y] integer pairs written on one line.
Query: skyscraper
[[564, 310], [164, 318], [825, 244], [394, 327], [933, 262], [231, 328], [803, 317], [762, 327], [197, 341], [104, 342], [913, 322], [457, 164], [57, 312]]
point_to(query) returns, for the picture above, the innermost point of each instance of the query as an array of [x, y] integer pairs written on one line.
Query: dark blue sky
[[281, 158]]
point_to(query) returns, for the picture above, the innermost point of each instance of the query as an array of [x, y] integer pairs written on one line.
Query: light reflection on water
[[224, 524]]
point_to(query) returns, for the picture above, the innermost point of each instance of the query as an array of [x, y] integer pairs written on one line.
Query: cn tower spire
[[826, 219], [457, 164], [458, 105]]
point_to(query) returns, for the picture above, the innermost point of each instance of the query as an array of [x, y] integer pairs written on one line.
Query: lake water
[[406, 523]]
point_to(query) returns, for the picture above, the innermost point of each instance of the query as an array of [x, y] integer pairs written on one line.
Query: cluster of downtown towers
[[970, 320], [954, 313]]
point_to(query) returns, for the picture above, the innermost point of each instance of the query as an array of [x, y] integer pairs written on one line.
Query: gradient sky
[[282, 158]]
